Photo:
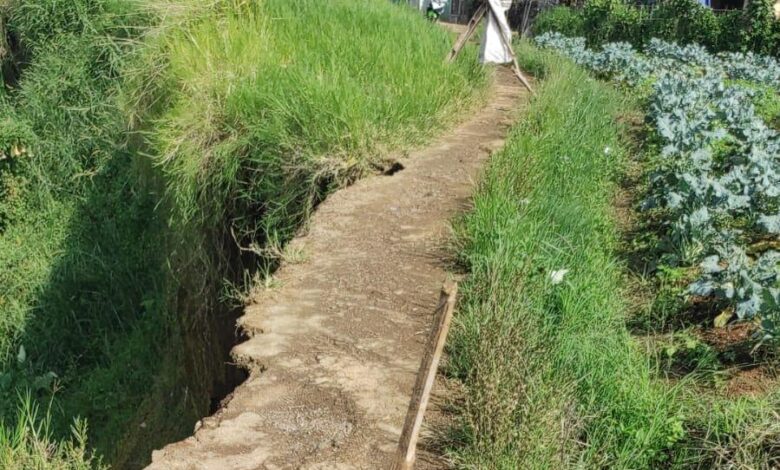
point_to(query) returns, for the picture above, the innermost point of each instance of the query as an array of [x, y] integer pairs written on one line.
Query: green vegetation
[[250, 115], [767, 103], [560, 19], [141, 143], [683, 21], [29, 445], [570, 355], [568, 371]]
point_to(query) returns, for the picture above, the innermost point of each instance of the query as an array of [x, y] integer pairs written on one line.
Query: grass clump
[[265, 107], [552, 377], [29, 444]]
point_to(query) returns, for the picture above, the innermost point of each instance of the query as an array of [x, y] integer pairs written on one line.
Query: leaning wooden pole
[[508, 45], [526, 15], [466, 35], [407, 448]]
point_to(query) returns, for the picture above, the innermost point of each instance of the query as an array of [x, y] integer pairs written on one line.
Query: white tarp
[[493, 50]]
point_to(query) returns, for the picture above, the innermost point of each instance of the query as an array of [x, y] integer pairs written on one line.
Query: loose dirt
[[334, 349]]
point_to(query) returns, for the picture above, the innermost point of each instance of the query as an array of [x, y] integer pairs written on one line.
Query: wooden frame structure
[[484, 9]]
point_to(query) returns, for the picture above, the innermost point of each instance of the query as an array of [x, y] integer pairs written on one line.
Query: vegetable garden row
[[714, 177]]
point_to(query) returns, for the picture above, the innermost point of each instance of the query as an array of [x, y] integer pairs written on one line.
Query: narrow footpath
[[334, 348]]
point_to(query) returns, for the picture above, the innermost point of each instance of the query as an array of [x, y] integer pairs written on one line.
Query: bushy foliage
[[761, 32], [560, 19], [717, 174], [682, 21], [611, 20], [730, 26]]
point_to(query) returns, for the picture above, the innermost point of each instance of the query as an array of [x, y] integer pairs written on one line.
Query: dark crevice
[[12, 56], [394, 168], [233, 374]]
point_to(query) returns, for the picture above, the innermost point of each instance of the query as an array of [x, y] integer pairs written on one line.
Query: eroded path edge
[[333, 351]]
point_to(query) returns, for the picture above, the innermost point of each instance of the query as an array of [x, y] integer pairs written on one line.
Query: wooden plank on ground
[[426, 377]]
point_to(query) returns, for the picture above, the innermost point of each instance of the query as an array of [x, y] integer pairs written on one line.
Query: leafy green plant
[[730, 26], [683, 352], [684, 21], [559, 19], [760, 32], [767, 102], [612, 20]]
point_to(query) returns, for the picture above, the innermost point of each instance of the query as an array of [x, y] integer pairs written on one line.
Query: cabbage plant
[[717, 172]]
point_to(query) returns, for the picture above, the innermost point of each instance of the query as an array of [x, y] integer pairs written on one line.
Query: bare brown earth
[[334, 348]]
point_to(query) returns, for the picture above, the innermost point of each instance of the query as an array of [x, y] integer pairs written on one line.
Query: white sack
[[493, 50]]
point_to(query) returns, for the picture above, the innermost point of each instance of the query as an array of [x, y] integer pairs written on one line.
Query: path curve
[[334, 349]]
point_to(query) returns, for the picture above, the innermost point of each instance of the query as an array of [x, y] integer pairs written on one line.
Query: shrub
[[760, 30], [560, 19], [730, 31], [684, 21], [612, 20]]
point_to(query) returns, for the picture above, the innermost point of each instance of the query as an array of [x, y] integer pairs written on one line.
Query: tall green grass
[[147, 140], [552, 377], [266, 107], [29, 445]]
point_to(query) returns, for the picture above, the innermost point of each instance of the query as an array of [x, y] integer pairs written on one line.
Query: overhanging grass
[[264, 107], [551, 375]]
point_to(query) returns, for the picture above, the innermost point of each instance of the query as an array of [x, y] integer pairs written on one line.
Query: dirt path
[[334, 349]]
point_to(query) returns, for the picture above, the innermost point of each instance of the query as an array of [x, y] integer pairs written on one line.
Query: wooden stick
[[526, 16], [426, 377], [466, 35]]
